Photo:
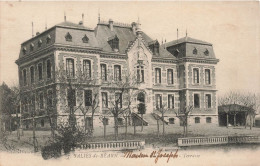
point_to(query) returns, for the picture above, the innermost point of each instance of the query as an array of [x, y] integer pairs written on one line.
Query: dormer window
[[154, 47], [85, 39], [176, 53], [114, 43], [48, 39], [206, 52], [40, 43], [68, 37], [24, 50], [31, 46], [195, 51]]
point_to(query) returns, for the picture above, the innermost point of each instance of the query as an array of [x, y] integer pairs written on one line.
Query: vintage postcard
[[129, 83]]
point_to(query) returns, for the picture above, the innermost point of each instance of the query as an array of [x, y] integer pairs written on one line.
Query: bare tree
[[183, 116], [120, 91], [162, 110]]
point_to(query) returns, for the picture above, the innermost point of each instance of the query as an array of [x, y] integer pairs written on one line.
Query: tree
[[7, 106], [183, 116], [162, 110], [120, 91], [141, 110], [76, 84]]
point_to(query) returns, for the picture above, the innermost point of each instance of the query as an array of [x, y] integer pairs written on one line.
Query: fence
[[113, 145], [215, 140]]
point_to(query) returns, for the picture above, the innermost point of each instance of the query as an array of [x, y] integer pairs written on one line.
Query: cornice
[[198, 60]]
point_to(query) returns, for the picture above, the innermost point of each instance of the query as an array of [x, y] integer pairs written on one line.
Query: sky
[[232, 27]]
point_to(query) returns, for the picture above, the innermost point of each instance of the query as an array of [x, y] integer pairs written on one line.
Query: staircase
[[148, 119]]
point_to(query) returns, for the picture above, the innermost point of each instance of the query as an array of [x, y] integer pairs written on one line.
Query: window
[[32, 103], [31, 46], [88, 122], [104, 100], [119, 121], [24, 77], [48, 39], [105, 121], [195, 51], [195, 76], [32, 74], [207, 76], [70, 67], [197, 120], [158, 100], [157, 75], [24, 50], [170, 101], [114, 43], [40, 71], [103, 72], [41, 102], [42, 123], [206, 52], [208, 100], [48, 68], [171, 120], [88, 97], [140, 74], [208, 120], [117, 73], [71, 97], [118, 100], [87, 68], [85, 39], [170, 76], [68, 37], [40, 43], [49, 98], [196, 101], [154, 47]]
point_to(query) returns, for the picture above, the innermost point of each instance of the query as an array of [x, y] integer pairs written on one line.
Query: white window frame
[[210, 71], [114, 71], [172, 76], [206, 101], [155, 78], [39, 72], [91, 66], [173, 100], [155, 98], [193, 75]]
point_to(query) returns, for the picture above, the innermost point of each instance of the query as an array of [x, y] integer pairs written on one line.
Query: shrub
[[52, 150]]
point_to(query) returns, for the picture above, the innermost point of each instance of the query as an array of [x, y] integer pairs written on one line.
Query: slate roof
[[125, 36], [68, 24], [186, 40]]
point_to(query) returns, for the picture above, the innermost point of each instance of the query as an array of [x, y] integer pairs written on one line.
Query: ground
[[172, 132]]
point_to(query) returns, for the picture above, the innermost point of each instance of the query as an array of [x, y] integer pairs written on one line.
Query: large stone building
[[176, 74]]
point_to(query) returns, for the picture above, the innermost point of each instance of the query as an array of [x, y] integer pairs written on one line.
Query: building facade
[[172, 75]]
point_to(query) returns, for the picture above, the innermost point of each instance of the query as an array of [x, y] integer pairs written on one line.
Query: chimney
[[111, 24], [81, 23], [134, 27]]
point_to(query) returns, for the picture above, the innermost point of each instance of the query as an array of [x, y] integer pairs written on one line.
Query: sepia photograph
[[129, 83]]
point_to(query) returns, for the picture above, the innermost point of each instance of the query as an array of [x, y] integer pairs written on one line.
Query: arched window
[[158, 75], [207, 76], [141, 97], [87, 68], [117, 73], [170, 76], [48, 68], [70, 67], [195, 75], [140, 74]]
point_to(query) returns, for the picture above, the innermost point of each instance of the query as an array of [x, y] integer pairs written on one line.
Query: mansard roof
[[126, 37], [186, 40]]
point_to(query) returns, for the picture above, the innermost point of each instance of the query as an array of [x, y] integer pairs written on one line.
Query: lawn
[[172, 132]]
